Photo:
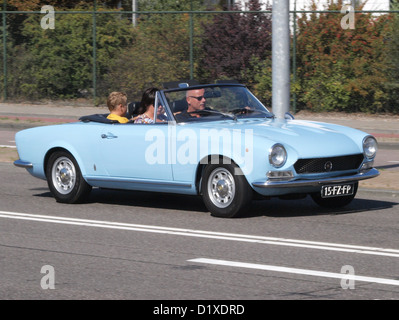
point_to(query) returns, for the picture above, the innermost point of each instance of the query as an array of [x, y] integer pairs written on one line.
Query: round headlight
[[277, 155], [370, 147]]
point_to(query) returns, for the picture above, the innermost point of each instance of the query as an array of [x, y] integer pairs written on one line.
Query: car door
[[136, 151]]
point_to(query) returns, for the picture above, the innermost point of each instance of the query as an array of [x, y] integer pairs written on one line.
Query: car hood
[[307, 138]]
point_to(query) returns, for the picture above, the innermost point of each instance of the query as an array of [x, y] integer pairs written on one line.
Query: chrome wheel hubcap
[[221, 187], [64, 175]]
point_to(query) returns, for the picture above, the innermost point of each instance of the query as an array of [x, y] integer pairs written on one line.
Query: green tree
[[59, 62], [234, 44], [160, 51], [341, 69], [169, 5], [31, 5], [262, 84]]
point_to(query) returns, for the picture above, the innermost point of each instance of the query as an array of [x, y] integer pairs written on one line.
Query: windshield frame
[[225, 115]]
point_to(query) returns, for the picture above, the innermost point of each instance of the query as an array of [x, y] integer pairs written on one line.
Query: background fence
[[93, 50]]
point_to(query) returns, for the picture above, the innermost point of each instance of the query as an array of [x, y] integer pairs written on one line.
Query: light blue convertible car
[[217, 141]]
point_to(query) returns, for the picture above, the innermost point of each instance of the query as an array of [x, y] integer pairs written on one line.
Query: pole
[[294, 58], [280, 58], [134, 9], [95, 52], [5, 49], [191, 41]]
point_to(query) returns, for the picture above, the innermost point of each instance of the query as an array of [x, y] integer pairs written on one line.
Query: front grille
[[330, 164]]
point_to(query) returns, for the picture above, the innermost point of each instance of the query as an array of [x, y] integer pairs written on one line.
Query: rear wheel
[[225, 193], [334, 202], [65, 179]]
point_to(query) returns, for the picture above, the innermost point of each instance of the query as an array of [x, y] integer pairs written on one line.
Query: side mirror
[[288, 116]]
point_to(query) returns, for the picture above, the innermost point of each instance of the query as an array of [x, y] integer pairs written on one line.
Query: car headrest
[[133, 109], [180, 105]]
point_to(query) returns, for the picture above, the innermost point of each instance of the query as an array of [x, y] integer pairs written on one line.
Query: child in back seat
[[117, 105]]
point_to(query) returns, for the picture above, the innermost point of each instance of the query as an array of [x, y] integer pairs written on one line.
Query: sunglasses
[[198, 98]]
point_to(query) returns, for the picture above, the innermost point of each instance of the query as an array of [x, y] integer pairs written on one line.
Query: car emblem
[[328, 166]]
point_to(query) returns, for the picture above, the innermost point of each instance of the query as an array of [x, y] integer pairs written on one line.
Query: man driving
[[196, 102]]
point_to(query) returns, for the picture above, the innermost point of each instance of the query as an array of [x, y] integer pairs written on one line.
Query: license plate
[[337, 190]]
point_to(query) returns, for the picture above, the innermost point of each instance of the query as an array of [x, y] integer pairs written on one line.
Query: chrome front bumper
[[23, 164], [270, 183]]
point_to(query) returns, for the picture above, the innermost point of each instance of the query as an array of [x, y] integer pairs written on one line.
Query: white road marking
[[205, 234], [6, 146], [295, 271]]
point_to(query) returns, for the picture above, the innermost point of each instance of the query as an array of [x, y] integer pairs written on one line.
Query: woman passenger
[[146, 108]]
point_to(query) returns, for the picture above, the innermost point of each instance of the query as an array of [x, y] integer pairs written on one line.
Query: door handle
[[108, 135]]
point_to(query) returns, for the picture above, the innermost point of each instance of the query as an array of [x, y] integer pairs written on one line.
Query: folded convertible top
[[101, 118]]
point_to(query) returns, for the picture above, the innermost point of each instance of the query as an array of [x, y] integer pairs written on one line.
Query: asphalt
[[18, 116]]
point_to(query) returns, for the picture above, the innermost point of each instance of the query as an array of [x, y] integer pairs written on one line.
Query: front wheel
[[64, 178], [226, 194], [334, 202]]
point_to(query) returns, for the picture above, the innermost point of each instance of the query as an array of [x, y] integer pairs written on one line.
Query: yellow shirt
[[112, 116]]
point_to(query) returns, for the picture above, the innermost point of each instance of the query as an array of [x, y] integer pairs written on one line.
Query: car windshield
[[214, 102]]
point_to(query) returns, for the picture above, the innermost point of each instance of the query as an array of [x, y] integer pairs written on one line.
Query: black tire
[[225, 193], [65, 179], [334, 202]]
